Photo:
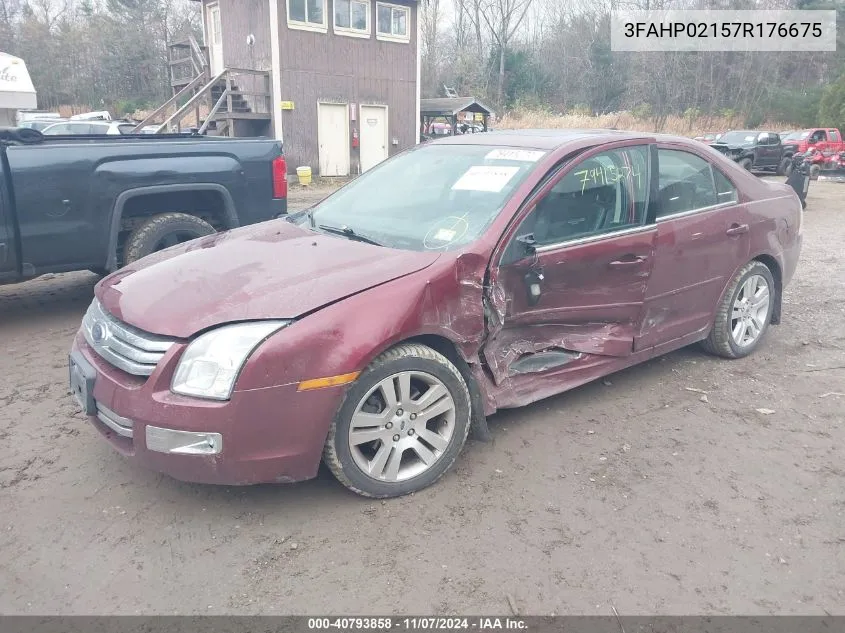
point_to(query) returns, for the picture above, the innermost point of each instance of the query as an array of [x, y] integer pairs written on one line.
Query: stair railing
[[195, 82], [190, 104], [224, 98]]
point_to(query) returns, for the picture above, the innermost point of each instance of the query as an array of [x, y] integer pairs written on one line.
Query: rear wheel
[[402, 424], [163, 231], [744, 314]]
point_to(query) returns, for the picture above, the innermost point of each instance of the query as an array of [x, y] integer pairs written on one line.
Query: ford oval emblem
[[99, 332]]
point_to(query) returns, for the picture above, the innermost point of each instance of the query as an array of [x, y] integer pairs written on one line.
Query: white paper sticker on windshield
[[445, 235], [525, 155], [485, 178]]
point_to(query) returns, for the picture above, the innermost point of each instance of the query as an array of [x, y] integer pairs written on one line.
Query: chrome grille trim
[[128, 348], [120, 425]]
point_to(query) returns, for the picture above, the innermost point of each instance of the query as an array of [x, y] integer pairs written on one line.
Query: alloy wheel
[[750, 311], [402, 426]]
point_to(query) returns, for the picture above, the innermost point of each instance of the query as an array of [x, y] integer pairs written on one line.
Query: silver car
[[108, 128]]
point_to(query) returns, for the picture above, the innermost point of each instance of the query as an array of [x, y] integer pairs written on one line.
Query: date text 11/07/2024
[[417, 624]]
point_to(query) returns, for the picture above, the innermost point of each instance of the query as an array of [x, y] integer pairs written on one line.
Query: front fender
[[345, 337]]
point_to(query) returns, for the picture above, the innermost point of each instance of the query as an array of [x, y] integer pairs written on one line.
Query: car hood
[[265, 271]]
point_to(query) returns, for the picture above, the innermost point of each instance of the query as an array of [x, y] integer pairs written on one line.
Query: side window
[[685, 183], [774, 139], [725, 191], [763, 139], [60, 129], [601, 194], [834, 136]]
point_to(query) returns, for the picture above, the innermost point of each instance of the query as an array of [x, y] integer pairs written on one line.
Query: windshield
[[434, 197], [738, 138], [797, 136]]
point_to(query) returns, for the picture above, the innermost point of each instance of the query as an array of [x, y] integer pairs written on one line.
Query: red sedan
[[471, 274]]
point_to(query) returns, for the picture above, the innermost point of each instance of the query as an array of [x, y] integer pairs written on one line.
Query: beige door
[[214, 28], [373, 136], [333, 138]]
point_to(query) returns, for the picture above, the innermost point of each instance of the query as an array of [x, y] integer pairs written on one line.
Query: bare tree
[[503, 18], [430, 25]]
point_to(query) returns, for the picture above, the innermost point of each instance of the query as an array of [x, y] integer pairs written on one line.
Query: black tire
[[785, 167], [814, 172], [746, 164], [337, 454], [720, 341], [162, 231]]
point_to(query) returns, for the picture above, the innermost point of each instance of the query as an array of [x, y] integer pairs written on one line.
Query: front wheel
[[746, 164], [785, 167], [744, 313], [402, 424], [814, 172]]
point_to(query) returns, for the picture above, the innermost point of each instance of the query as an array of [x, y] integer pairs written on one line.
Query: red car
[[469, 274], [826, 140]]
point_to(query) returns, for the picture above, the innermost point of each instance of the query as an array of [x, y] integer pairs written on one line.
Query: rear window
[[797, 136]]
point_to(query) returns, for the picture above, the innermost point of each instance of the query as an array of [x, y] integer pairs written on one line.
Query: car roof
[[544, 139]]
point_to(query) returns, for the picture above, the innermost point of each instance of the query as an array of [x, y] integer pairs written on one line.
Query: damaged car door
[[569, 284], [703, 236]]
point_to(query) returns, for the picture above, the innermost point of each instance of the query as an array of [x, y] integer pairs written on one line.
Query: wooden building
[[344, 75]]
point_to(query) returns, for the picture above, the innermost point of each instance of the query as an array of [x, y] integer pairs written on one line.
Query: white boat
[[16, 89]]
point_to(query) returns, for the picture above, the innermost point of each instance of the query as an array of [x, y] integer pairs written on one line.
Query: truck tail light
[[280, 178]]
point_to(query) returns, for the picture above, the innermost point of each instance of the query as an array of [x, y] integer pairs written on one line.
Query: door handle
[[737, 229], [630, 261]]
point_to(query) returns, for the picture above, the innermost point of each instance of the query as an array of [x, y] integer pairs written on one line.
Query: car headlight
[[211, 364]]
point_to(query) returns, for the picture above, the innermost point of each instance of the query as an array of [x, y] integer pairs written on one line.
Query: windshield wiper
[[348, 233]]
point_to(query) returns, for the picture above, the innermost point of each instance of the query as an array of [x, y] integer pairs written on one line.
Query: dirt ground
[[637, 492]]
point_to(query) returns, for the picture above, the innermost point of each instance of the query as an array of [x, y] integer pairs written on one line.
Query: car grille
[[127, 348]]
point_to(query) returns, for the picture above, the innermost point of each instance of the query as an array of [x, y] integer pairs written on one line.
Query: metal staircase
[[234, 102]]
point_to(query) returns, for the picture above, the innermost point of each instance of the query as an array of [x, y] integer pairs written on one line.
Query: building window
[[309, 15], [352, 17], [393, 22], [216, 27]]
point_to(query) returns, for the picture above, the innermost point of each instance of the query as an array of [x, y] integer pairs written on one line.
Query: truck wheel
[[163, 231], [745, 163], [785, 167], [814, 172], [401, 425]]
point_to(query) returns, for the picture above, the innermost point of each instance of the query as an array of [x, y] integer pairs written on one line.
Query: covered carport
[[451, 110]]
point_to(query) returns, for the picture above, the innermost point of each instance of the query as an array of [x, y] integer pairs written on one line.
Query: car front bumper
[[270, 435]]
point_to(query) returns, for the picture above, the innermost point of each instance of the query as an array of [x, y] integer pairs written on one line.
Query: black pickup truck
[[100, 202], [755, 151]]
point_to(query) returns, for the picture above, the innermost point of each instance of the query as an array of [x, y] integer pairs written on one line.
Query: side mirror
[[528, 243]]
